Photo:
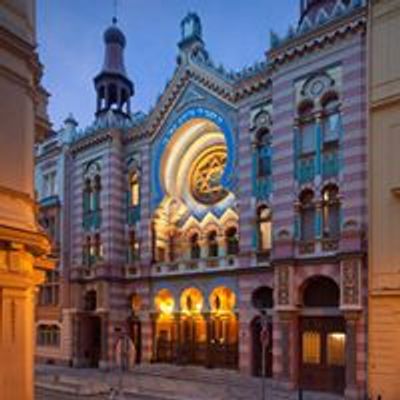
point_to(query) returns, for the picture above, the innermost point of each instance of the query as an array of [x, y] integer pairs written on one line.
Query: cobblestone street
[[159, 382]]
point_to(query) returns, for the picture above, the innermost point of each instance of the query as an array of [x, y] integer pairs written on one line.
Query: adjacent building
[[239, 194], [384, 173], [23, 244]]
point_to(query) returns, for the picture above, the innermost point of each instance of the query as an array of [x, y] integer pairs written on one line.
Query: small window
[[232, 241], [194, 247], [264, 229], [308, 137], [307, 216], [311, 347], [134, 190]]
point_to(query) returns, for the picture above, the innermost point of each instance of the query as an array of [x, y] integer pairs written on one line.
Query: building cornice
[[318, 38]]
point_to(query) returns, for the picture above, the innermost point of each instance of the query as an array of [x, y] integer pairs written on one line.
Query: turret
[[114, 88]]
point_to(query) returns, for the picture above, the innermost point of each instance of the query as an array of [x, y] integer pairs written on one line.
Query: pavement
[[158, 382]]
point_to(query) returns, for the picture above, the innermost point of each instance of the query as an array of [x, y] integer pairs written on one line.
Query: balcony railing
[[330, 164], [200, 265], [263, 187], [306, 169], [133, 215], [92, 219]]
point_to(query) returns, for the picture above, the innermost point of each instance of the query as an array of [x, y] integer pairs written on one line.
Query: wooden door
[[322, 354]]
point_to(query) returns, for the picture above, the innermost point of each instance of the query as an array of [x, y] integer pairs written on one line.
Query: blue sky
[[70, 32]]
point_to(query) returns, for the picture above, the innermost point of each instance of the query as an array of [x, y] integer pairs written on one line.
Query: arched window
[[194, 247], [212, 244], [96, 193], [307, 129], [263, 154], [321, 292], [232, 241], [87, 196], [134, 189], [264, 227], [307, 215], [331, 212], [332, 120]]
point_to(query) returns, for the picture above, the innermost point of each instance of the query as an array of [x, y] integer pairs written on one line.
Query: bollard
[[300, 394]]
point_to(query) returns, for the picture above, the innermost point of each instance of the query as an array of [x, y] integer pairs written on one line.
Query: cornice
[[318, 38], [92, 140]]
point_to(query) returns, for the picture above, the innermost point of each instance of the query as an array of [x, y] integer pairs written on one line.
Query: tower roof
[[113, 35]]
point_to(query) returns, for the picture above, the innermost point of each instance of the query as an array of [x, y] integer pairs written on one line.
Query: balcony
[[194, 266], [133, 215], [306, 172], [263, 187], [92, 220], [330, 164]]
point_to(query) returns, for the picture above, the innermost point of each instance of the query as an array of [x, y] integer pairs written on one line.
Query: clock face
[[205, 179]]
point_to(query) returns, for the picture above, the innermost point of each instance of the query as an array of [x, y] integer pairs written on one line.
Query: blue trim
[[227, 179]]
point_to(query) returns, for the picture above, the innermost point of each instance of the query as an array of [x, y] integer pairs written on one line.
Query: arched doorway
[[223, 329], [262, 300], [192, 328], [164, 332], [135, 327], [322, 337]]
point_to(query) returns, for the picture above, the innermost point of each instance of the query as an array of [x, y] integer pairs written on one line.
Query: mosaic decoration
[[350, 282], [158, 150]]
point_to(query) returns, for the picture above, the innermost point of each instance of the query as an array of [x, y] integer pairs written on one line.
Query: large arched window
[[264, 227], [307, 129], [212, 244], [331, 212], [194, 247], [134, 189], [232, 241], [307, 216], [263, 154], [332, 121], [96, 193]]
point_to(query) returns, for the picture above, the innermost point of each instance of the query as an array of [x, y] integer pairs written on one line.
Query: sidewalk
[[166, 382]]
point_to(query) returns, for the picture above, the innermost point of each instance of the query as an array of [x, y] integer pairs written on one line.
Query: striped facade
[[127, 291]]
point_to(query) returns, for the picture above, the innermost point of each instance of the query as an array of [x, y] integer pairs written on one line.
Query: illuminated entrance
[[192, 335], [322, 339]]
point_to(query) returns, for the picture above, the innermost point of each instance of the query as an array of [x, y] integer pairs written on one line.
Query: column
[[148, 337], [351, 391]]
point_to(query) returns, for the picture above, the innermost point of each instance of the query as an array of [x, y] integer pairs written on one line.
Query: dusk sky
[[236, 33]]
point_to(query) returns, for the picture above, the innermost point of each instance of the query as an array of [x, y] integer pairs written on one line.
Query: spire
[[114, 88]]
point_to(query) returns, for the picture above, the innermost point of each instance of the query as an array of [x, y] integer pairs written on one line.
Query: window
[[96, 193], [50, 290], [92, 250], [264, 229], [48, 335], [98, 247], [311, 347], [336, 348], [212, 244], [331, 212], [172, 246], [134, 190], [332, 120], [194, 247], [232, 241], [307, 215], [49, 184], [90, 300], [263, 154], [307, 128], [133, 251]]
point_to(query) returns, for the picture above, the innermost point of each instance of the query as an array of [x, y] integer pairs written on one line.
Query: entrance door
[[256, 327], [91, 340], [322, 355]]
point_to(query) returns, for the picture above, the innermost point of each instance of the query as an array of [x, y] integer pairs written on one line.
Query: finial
[[115, 17]]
